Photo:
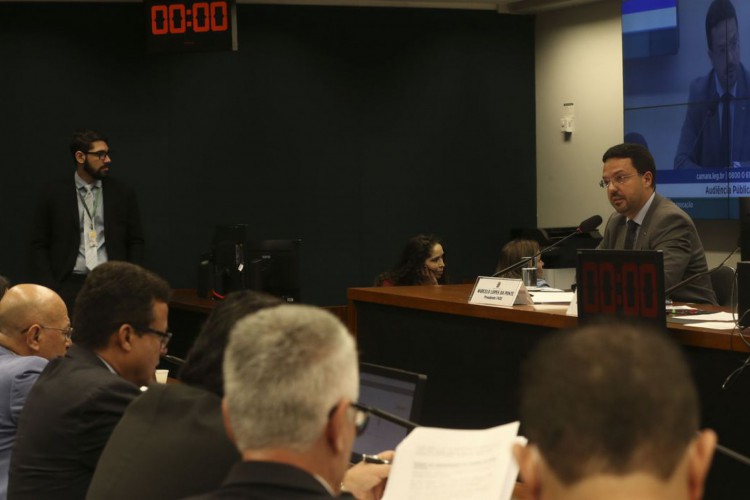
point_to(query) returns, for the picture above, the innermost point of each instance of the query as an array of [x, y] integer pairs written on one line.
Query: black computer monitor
[[272, 266], [228, 259], [397, 392]]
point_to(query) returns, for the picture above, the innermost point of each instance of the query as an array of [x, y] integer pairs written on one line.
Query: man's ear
[[650, 177], [124, 337], [528, 459], [336, 426], [701, 452], [227, 421], [32, 337]]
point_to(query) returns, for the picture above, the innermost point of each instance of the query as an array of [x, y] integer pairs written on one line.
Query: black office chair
[[723, 283]]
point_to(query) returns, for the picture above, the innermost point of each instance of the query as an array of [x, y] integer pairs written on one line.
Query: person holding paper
[[611, 411], [291, 384], [422, 263]]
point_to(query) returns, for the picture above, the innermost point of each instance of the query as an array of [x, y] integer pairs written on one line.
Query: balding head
[[34, 321]]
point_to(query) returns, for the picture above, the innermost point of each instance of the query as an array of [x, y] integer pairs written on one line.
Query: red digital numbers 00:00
[[203, 17]]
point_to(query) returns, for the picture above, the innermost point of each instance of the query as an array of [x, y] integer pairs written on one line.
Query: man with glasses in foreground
[[290, 389], [645, 220], [120, 324], [34, 328], [82, 222]]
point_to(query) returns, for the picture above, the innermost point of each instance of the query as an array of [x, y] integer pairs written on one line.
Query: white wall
[[579, 60]]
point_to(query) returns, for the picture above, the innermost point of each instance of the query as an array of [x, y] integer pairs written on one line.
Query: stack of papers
[[702, 319], [551, 297]]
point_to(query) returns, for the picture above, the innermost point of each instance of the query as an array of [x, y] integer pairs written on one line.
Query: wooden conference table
[[472, 356]]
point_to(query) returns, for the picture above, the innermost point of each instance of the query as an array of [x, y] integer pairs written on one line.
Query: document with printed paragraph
[[446, 464]]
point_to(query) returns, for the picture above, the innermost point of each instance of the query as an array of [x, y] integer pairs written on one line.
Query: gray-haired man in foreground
[[290, 381]]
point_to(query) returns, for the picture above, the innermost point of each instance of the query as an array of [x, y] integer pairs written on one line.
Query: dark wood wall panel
[[351, 128]]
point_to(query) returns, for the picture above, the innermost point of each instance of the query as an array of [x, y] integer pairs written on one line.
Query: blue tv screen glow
[[676, 91]]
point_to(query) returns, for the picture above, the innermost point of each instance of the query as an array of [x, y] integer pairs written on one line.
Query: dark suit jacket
[[700, 139], [65, 423], [170, 443], [56, 232], [267, 481], [668, 228]]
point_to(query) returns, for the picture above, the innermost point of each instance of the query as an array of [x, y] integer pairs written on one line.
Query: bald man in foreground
[[34, 328]]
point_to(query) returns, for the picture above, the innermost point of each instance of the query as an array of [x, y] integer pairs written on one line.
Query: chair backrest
[[723, 283]]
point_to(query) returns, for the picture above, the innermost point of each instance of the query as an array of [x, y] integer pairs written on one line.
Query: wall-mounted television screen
[[687, 98]]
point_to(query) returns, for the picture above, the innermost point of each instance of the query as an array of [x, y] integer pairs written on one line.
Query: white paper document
[[702, 318], [552, 297], [450, 464]]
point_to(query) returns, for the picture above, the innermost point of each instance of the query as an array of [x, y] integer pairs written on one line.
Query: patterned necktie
[[89, 231], [630, 236]]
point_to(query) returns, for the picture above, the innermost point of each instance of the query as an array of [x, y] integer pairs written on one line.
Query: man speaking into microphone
[[644, 220]]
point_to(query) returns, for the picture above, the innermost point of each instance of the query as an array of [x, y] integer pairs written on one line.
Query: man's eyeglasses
[[361, 416], [99, 154], [618, 180], [163, 336], [67, 332]]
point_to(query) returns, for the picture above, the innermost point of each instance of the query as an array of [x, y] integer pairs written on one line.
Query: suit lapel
[[642, 242]]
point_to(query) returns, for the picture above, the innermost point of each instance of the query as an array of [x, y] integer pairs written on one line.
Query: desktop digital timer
[[621, 282]]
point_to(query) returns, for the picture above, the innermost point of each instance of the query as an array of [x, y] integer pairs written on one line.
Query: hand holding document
[[437, 464]]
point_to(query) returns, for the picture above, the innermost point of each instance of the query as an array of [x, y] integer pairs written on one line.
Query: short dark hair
[[639, 155], [4, 285], [113, 294], [718, 11], [82, 141], [609, 399], [408, 271], [203, 366]]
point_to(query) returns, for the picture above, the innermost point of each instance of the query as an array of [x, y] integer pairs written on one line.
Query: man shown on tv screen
[[716, 131]]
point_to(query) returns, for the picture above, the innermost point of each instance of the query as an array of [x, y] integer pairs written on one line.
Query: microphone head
[[590, 224]]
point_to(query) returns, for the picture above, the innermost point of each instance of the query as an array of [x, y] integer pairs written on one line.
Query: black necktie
[[630, 236], [725, 154]]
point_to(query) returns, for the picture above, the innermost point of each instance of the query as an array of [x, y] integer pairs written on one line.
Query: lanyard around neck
[[85, 206]]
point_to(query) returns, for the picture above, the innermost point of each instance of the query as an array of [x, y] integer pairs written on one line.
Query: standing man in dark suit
[[716, 131], [120, 333], [290, 389], [82, 222], [647, 221]]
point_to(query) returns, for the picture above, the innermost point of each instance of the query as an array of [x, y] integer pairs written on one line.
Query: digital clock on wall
[[621, 282], [191, 25]]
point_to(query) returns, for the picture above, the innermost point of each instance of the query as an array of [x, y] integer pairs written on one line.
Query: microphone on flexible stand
[[686, 281], [585, 227]]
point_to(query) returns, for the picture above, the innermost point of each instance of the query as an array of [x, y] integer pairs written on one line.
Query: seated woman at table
[[513, 252], [422, 263]]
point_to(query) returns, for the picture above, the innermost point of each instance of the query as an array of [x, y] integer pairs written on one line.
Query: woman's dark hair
[[410, 269], [204, 361]]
